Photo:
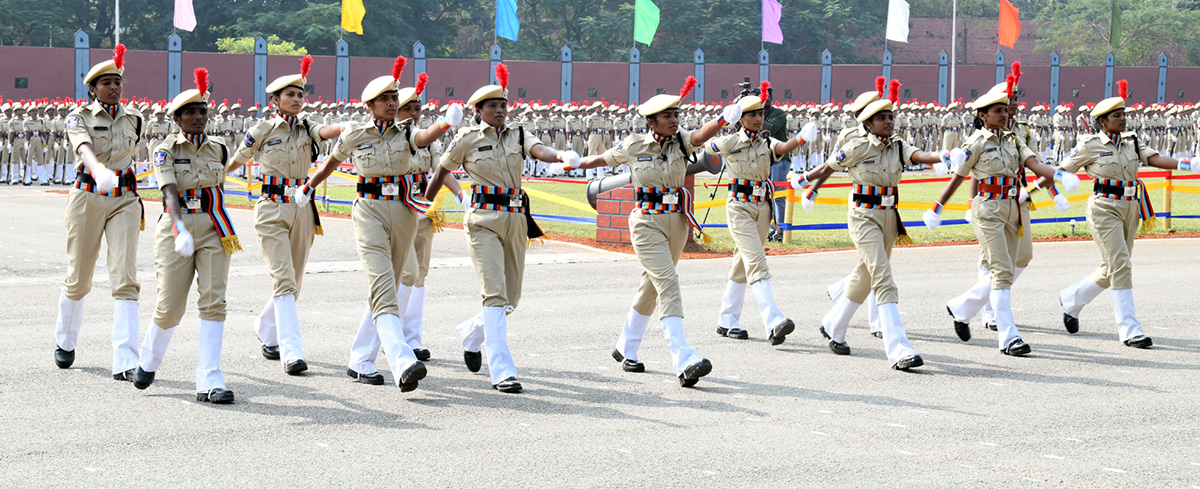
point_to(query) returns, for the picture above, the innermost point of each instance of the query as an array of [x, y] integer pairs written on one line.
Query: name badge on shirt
[[645, 158], [670, 199], [485, 148], [1106, 153], [364, 146], [273, 142], [99, 128], [868, 162], [735, 152], [183, 162], [989, 150], [389, 189]]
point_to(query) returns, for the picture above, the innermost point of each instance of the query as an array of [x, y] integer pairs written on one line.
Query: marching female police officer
[[995, 157], [103, 204], [1118, 202], [660, 224], [492, 153], [875, 161], [195, 240], [385, 219], [285, 217], [749, 155]]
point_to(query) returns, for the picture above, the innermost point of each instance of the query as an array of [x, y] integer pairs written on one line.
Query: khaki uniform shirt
[[873, 161], [281, 151], [653, 164], [177, 162], [990, 156], [1097, 154], [489, 156], [374, 154], [113, 141], [745, 159]]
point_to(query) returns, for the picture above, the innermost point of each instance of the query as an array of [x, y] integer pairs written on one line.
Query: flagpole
[[953, 49], [117, 21]]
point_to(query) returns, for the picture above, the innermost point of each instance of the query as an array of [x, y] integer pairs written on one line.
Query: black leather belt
[[1101, 188], [872, 199], [280, 190], [657, 197], [496, 199]]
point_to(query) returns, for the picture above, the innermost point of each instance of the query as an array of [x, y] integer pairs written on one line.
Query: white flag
[[897, 26]]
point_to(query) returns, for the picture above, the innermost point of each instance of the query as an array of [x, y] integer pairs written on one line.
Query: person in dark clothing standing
[[775, 125]]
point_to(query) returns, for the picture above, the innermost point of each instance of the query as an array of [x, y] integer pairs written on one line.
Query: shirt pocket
[[365, 159], [992, 161]]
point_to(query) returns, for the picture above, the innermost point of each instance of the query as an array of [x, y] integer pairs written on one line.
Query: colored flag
[[645, 21], [352, 16], [772, 11], [185, 16], [897, 23], [1116, 30], [507, 23], [1010, 24]]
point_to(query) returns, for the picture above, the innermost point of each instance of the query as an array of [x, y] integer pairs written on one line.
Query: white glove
[[1024, 196], [932, 219], [26, 145], [557, 169], [454, 114], [1069, 180], [106, 180], [732, 113], [570, 158], [56, 145], [798, 181], [809, 200], [957, 158], [1061, 202], [303, 195], [941, 169], [969, 217], [807, 133], [184, 245]]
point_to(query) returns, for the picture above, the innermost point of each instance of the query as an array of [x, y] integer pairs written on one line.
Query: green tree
[[1079, 30], [245, 45]]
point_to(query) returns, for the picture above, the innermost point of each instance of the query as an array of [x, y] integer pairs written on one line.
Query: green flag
[[1115, 30], [645, 21]]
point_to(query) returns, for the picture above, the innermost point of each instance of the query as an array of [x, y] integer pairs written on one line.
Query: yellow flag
[[352, 16]]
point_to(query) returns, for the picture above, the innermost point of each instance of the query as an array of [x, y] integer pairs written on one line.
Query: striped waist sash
[[872, 197], [754, 191], [211, 201], [1126, 190], [126, 183], [279, 189], [1000, 188], [493, 198], [667, 200]]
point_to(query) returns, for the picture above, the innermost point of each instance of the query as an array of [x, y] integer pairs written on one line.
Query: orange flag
[[1010, 24]]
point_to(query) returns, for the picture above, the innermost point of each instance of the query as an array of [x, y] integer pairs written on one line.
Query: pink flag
[[772, 11], [185, 17]]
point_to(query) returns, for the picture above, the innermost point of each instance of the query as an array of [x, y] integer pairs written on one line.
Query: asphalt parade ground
[[1082, 411]]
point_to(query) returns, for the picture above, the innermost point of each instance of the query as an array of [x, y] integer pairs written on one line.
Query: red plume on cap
[[879, 83], [305, 65], [1123, 89], [603, 102], [1016, 71], [202, 80], [502, 75], [422, 79], [398, 68], [119, 56], [894, 91], [688, 85], [239, 101], [763, 91], [1010, 80]]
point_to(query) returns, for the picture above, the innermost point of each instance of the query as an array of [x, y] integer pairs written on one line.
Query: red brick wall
[[613, 208]]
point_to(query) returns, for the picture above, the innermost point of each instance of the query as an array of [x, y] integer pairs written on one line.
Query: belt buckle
[[514, 201], [290, 190], [389, 189], [671, 198], [192, 203], [1012, 191], [759, 191], [887, 200], [1130, 191]]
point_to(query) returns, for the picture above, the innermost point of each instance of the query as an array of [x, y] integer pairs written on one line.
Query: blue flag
[[507, 24]]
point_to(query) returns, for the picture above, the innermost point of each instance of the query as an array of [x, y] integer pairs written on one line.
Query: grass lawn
[[1182, 204]]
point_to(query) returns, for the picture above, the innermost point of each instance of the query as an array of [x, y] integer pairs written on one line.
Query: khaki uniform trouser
[[118, 220], [383, 231], [1024, 245], [748, 225], [285, 233], [658, 241], [417, 265], [874, 233], [19, 156], [595, 144], [1114, 226], [497, 241], [209, 265], [996, 225]]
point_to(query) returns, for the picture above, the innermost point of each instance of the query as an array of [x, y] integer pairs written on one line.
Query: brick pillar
[[612, 213]]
